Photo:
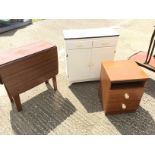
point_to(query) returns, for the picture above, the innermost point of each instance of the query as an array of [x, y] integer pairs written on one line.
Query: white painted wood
[[89, 33], [78, 62], [79, 44], [105, 42], [98, 56], [85, 52]]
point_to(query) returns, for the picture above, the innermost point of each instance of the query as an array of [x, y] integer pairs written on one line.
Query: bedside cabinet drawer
[[121, 107], [105, 42], [123, 100], [79, 44], [126, 94]]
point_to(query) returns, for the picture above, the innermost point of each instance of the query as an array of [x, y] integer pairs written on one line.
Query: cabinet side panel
[[105, 86]]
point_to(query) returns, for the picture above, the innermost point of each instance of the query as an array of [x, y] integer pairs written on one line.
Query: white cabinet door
[[98, 55], [78, 64]]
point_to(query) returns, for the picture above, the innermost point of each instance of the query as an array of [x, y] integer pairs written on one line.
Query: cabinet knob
[[123, 106], [126, 95]]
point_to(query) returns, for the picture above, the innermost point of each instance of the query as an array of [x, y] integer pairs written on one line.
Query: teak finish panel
[[117, 98], [10, 55], [26, 67], [124, 70], [27, 73], [121, 92]]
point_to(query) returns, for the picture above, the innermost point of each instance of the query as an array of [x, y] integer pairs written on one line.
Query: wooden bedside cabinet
[[86, 49], [122, 86]]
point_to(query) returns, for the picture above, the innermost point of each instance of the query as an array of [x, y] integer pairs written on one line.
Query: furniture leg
[[18, 103], [10, 97], [47, 81], [54, 83], [1, 81]]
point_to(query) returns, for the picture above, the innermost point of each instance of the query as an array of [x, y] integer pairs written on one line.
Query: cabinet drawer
[[79, 44], [105, 42], [121, 107], [123, 100], [125, 94]]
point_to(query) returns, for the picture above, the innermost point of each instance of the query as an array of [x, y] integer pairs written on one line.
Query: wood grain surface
[[28, 67], [124, 70], [121, 88]]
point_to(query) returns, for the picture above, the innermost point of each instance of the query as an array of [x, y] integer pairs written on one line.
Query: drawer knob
[[123, 106], [126, 95]]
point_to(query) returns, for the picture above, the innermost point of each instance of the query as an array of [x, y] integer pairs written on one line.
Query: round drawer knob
[[123, 106], [126, 95]]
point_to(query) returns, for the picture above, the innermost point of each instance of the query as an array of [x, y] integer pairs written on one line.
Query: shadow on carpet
[[87, 94], [138, 123], [150, 87], [41, 114]]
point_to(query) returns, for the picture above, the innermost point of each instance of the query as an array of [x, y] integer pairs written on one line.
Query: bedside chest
[[85, 50], [122, 86]]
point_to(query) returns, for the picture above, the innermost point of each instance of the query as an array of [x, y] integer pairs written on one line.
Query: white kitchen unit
[[86, 49]]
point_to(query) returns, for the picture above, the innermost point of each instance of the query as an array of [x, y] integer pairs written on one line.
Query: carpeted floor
[[76, 109]]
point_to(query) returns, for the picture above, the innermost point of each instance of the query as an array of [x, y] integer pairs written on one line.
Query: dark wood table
[[26, 67]]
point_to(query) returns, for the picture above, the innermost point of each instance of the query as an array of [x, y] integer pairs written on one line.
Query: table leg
[[1, 81], [47, 81], [18, 103], [10, 97], [54, 83]]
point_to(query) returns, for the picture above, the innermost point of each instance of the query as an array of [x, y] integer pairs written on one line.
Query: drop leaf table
[[26, 67]]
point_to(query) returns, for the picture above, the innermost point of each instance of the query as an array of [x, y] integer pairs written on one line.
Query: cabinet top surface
[[89, 33], [124, 70], [20, 52]]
